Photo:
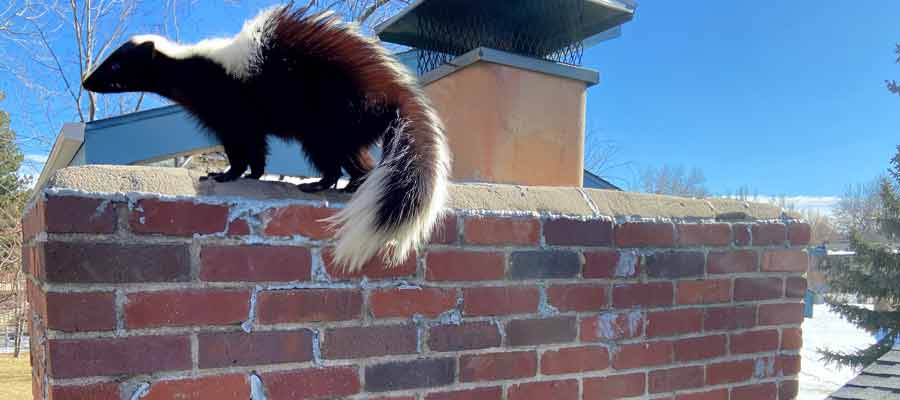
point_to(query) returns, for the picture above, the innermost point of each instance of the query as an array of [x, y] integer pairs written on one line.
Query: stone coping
[[487, 198]]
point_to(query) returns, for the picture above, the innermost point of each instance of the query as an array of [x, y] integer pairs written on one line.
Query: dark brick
[[309, 305], [80, 215], [73, 358], [312, 383], [769, 234], [400, 375], [645, 234], [255, 264], [179, 218], [795, 287], [570, 232], [459, 265], [81, 311], [643, 294], [530, 332], [229, 349], [729, 318], [675, 264], [670, 380], [465, 336], [115, 263], [750, 289], [788, 390], [556, 390], [497, 366], [733, 262], [543, 264], [369, 341]]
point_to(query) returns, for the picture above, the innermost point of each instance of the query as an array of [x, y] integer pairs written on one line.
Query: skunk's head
[[128, 69]]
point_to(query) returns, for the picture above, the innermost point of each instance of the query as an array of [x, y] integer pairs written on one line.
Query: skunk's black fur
[[310, 78]]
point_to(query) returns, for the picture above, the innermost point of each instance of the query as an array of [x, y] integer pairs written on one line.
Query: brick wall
[[219, 299]]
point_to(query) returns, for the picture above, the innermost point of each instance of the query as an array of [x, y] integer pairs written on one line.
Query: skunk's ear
[[146, 49]]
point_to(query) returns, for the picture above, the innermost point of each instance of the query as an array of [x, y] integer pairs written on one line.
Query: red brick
[[178, 218], [369, 341], [750, 289], [795, 287], [557, 390], [418, 373], [788, 390], [571, 232], [186, 307], [308, 305], [574, 359], [501, 231], [497, 366], [732, 262], [73, 358], [730, 318], [641, 355], [489, 393], [704, 234], [785, 261], [255, 263], [720, 394], [97, 391], [780, 314], [762, 391], [799, 234], [643, 294], [71, 262], [34, 221], [465, 336], [677, 322], [458, 265], [699, 348], [428, 302], [788, 365], [704, 292], [729, 372], [481, 301], [230, 349], [530, 332], [396, 398], [312, 383], [614, 387], [372, 269], [238, 227], [670, 380], [446, 231], [612, 326], [298, 220], [80, 215], [605, 264], [754, 342], [791, 339], [741, 234], [207, 388], [81, 311], [769, 234], [578, 297], [645, 234]]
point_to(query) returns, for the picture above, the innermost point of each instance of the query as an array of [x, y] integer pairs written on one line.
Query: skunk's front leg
[[238, 161]]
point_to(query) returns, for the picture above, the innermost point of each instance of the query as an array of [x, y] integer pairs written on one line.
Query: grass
[[15, 377]]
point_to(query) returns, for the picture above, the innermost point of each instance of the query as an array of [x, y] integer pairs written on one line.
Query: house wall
[[146, 284]]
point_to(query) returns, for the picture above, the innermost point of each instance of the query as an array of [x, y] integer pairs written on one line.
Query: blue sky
[[786, 98]]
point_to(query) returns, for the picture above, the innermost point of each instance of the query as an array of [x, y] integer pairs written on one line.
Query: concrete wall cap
[[106, 180]]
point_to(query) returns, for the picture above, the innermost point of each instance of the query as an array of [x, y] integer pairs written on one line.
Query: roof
[[593, 181], [879, 381]]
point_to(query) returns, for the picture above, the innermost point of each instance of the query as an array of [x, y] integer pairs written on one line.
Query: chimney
[[504, 77]]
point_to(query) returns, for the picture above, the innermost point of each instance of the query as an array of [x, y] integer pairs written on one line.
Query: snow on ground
[[827, 329]]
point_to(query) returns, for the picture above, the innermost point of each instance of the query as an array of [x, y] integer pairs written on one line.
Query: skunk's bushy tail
[[395, 209]]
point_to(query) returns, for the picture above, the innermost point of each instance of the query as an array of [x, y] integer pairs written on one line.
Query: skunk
[[308, 77]]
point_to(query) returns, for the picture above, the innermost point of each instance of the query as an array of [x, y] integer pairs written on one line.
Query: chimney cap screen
[[546, 29]]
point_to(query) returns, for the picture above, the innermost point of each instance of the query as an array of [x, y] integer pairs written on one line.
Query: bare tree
[[675, 181], [859, 209]]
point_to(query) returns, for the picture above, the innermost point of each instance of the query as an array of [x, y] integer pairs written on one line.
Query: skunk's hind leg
[[238, 161], [259, 151], [331, 172], [358, 166]]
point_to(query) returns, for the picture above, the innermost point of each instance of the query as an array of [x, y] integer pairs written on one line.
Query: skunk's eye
[[115, 67]]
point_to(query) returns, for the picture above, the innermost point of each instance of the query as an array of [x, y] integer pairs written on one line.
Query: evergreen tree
[[873, 273]]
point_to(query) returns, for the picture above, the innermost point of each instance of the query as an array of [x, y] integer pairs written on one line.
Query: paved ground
[[827, 329]]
